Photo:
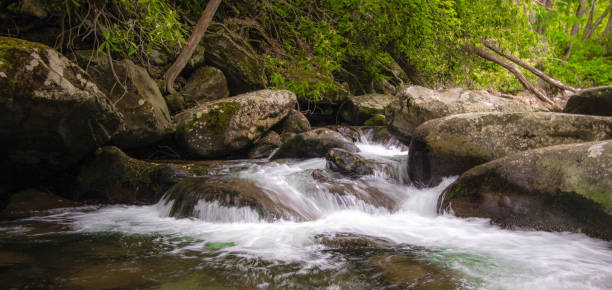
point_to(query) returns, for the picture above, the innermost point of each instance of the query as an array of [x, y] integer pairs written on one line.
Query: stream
[[345, 242]]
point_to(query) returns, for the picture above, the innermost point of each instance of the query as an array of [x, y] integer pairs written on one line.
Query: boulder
[[232, 54], [115, 177], [351, 241], [28, 202], [52, 113], [451, 145], [295, 122], [558, 188], [220, 127], [205, 84], [346, 162], [226, 192], [366, 108], [265, 146], [592, 101], [146, 115], [314, 143], [414, 105]]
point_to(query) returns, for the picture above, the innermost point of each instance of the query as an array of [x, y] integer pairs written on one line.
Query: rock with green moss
[[224, 193], [359, 109], [146, 115], [454, 144], [232, 54], [295, 122], [592, 101], [32, 201], [52, 113], [314, 143], [220, 127], [265, 146], [413, 105], [346, 162], [113, 176], [205, 84], [558, 188]]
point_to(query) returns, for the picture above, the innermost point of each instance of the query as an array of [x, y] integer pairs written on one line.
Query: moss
[[200, 171], [454, 191], [217, 119], [376, 120]]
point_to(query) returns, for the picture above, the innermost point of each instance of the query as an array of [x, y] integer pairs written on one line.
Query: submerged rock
[[205, 84], [314, 143], [116, 177], [351, 241], [232, 54], [366, 108], [410, 271], [558, 188], [138, 98], [451, 145], [28, 202], [348, 163], [265, 146], [227, 192], [218, 128], [592, 101], [52, 113], [414, 105]]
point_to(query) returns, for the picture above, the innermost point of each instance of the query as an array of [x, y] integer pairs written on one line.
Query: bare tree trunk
[[609, 25], [192, 43], [588, 32], [582, 9], [526, 66], [496, 59]]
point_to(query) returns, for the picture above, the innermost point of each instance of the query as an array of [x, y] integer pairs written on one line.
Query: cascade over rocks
[[217, 128], [228, 192], [592, 101], [558, 188], [146, 115], [451, 145], [205, 84], [413, 105], [368, 108], [314, 143], [233, 55], [52, 113]]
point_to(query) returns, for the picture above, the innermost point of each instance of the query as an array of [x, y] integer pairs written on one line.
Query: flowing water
[[346, 242]]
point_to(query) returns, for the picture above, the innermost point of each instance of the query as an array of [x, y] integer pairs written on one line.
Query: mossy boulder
[[592, 101], [205, 84], [232, 54], [265, 146], [220, 127], [138, 98], [413, 105], [31, 201], [52, 112], [227, 192], [366, 108], [112, 176], [452, 145], [558, 188], [314, 143], [295, 122], [346, 162]]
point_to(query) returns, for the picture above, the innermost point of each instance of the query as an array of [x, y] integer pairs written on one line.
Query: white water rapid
[[489, 257]]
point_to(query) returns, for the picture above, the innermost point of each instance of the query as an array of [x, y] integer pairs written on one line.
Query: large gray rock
[[414, 105], [314, 143], [205, 84], [295, 122], [454, 144], [232, 54], [220, 127], [52, 113], [359, 109], [558, 188], [346, 162], [593, 101], [146, 115]]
